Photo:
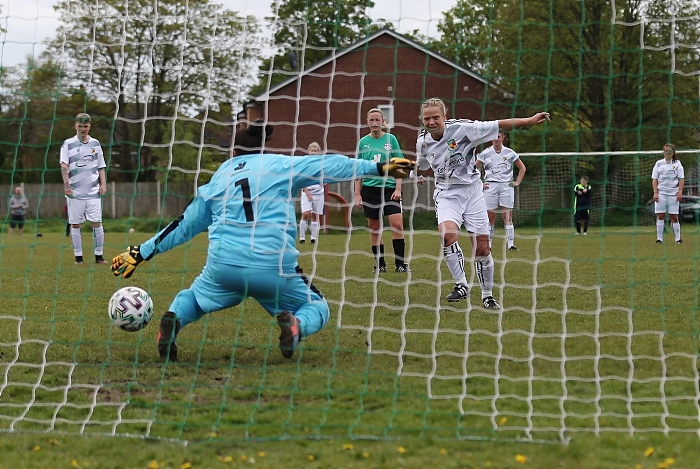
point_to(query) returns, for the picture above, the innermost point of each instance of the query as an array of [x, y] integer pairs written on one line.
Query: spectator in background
[[18, 209], [582, 205], [311, 204], [667, 179]]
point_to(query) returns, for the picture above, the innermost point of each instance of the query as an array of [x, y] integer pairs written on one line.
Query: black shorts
[[581, 215], [17, 221], [376, 202]]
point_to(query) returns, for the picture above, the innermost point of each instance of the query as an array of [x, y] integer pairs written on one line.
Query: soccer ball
[[130, 309]]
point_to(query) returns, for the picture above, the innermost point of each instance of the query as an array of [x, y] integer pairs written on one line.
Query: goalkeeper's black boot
[[99, 259], [460, 292], [290, 333], [167, 332]]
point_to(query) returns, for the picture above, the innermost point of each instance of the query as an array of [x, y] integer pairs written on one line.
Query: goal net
[[596, 334]]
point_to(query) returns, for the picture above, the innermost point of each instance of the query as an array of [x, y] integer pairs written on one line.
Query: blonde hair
[[434, 102], [314, 145], [374, 109]]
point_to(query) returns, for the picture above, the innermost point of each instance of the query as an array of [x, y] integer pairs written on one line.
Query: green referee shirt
[[379, 150]]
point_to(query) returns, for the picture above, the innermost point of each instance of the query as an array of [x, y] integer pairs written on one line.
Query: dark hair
[[673, 147], [251, 139], [585, 177]]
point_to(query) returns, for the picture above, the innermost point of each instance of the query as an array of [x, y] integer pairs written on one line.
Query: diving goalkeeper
[[248, 210]]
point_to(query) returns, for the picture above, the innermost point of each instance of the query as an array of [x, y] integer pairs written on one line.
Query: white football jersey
[[668, 175], [498, 166], [315, 189], [84, 161], [452, 158]]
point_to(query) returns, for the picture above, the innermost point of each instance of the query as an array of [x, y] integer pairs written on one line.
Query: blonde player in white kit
[[667, 179], [499, 193], [311, 204], [83, 170], [446, 147]]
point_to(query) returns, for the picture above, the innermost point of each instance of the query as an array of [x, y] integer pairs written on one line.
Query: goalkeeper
[[248, 210]]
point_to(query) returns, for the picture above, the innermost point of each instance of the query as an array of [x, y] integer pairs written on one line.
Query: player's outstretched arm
[[518, 122], [337, 168], [193, 221]]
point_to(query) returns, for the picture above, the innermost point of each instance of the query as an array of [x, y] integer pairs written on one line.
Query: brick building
[[328, 101]]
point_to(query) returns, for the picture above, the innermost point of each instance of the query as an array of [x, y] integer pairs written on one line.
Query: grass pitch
[[596, 345]]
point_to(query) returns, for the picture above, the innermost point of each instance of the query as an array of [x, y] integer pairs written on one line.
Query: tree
[[466, 32], [37, 117], [306, 31], [154, 61], [612, 79]]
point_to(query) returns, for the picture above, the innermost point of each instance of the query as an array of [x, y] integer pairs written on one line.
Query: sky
[[29, 22]]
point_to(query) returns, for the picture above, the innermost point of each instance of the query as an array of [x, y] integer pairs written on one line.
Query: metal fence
[[123, 199]]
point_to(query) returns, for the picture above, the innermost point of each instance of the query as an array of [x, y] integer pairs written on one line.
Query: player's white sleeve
[[422, 162], [655, 172], [64, 154], [479, 132], [101, 159]]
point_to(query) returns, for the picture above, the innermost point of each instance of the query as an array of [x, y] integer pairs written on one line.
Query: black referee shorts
[[376, 202]]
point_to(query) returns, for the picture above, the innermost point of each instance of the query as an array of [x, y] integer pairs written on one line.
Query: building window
[[388, 111]]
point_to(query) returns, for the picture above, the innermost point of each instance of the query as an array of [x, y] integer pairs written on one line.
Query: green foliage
[[467, 34], [157, 61], [604, 90], [188, 154], [312, 29]]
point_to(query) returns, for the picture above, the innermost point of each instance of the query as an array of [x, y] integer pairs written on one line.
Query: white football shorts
[[464, 205], [315, 205], [667, 203], [499, 194], [81, 209]]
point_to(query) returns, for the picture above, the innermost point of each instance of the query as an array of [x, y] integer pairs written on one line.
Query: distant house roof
[[339, 53]]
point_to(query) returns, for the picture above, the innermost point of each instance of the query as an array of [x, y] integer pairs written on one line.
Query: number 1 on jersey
[[247, 204]]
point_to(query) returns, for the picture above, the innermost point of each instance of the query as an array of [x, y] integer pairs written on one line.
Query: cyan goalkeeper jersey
[[248, 208]]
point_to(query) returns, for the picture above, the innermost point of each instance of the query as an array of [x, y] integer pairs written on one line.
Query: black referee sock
[[399, 251], [378, 252], [378, 258]]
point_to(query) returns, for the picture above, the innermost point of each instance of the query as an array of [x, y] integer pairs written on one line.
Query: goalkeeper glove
[[125, 263], [396, 167]]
